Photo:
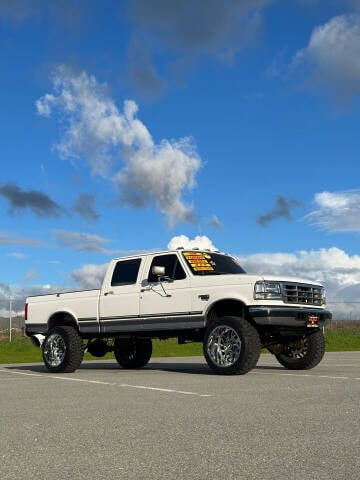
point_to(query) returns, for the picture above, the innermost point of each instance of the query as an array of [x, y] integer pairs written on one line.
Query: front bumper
[[290, 316]]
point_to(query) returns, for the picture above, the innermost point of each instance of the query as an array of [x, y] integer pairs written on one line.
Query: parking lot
[[176, 419]]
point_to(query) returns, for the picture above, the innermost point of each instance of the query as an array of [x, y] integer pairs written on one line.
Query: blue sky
[[125, 125]]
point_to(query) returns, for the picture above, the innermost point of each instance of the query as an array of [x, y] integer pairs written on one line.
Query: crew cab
[[192, 295]]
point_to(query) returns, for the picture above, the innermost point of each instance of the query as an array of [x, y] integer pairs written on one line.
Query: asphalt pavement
[[175, 419]]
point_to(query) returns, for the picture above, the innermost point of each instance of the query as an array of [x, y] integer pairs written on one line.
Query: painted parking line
[[97, 382], [335, 377], [167, 390], [263, 364]]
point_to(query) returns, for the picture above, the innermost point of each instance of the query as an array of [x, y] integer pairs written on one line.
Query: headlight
[[267, 291]]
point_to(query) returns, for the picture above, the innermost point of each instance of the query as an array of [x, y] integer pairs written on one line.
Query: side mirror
[[159, 272]]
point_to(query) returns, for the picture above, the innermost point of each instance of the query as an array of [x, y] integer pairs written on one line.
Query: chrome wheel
[[224, 346], [54, 350]]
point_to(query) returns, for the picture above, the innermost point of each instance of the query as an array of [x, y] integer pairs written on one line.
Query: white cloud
[[118, 146], [332, 56], [200, 241], [82, 242], [337, 211], [19, 293], [89, 276], [321, 265]]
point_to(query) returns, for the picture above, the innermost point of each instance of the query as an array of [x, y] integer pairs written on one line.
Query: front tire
[[304, 353], [62, 350], [133, 352], [231, 346]]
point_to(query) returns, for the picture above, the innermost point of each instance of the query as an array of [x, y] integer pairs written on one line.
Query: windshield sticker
[[198, 261]]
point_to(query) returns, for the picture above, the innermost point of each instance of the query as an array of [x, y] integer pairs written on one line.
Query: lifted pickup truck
[[191, 295]]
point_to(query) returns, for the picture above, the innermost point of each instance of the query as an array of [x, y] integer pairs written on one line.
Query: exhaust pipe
[[37, 339]]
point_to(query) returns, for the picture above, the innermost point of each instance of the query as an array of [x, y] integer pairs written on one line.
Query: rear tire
[[231, 346], [304, 353], [62, 350], [133, 352]]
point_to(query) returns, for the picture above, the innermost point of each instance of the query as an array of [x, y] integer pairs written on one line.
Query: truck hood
[[278, 278]]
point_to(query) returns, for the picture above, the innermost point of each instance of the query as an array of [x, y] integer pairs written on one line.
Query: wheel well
[[62, 318], [226, 307]]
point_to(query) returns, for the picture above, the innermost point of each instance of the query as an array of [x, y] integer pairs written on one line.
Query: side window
[[173, 268], [126, 272]]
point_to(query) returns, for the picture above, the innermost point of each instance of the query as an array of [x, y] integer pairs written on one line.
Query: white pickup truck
[[191, 295]]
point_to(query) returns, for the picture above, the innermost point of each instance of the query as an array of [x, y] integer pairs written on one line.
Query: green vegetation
[[339, 337], [342, 339], [20, 350]]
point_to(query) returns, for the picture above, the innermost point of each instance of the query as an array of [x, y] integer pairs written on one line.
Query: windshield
[[209, 263]]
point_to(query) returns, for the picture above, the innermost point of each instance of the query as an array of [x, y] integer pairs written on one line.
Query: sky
[[131, 125]]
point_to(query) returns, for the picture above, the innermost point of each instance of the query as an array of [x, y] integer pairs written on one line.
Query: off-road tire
[[304, 355], [231, 346], [133, 352], [62, 350]]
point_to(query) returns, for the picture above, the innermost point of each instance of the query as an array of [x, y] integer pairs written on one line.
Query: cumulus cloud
[[81, 242], [37, 202], [200, 241], [332, 56], [19, 293], [185, 31], [89, 276], [119, 146], [337, 211], [84, 206], [282, 209]]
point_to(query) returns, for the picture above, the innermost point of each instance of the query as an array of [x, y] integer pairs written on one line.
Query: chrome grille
[[303, 294]]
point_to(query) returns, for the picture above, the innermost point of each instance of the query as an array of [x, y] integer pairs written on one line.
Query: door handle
[[111, 292]]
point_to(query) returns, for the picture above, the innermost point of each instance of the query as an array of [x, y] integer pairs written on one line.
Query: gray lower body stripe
[[153, 324], [172, 315]]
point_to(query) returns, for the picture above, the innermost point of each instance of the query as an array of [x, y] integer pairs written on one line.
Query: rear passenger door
[[119, 302]]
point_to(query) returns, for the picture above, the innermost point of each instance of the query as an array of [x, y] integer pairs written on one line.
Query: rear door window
[[126, 272]]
